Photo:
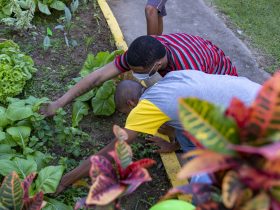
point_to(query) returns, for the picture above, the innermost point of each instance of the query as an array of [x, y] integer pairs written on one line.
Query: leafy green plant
[[17, 14], [101, 98], [112, 181], [239, 146], [45, 5], [15, 69], [67, 23]]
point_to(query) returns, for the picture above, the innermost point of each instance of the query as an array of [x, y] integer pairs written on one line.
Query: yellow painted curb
[[113, 25], [170, 161]]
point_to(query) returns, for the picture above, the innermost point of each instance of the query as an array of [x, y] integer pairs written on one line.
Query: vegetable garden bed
[[57, 64]]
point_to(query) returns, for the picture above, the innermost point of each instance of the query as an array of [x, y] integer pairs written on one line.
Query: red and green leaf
[[208, 124], [34, 203], [206, 162], [272, 167], [26, 184], [231, 189], [100, 165], [264, 117], [120, 133], [135, 179], [104, 190], [124, 153], [143, 163], [238, 111], [11, 192]]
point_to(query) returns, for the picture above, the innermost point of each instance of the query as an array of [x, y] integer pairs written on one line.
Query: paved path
[[193, 17]]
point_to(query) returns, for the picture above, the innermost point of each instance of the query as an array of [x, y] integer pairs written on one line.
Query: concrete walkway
[[192, 17]]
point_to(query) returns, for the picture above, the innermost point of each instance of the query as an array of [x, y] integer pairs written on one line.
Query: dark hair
[[144, 51], [127, 90]]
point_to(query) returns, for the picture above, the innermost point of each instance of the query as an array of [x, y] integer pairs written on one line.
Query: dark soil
[[57, 66]]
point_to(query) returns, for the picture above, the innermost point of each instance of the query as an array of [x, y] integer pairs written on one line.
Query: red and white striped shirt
[[189, 52]]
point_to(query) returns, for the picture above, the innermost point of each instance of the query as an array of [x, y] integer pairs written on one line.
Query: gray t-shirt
[[217, 89]]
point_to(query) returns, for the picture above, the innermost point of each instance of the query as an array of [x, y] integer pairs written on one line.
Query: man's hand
[[164, 146], [168, 131], [49, 109]]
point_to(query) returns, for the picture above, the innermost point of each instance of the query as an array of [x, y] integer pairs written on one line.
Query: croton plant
[[239, 147], [112, 181], [14, 194]]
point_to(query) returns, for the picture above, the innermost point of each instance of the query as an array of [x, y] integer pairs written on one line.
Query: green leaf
[[20, 134], [80, 109], [18, 111], [87, 96], [11, 192], [207, 124], [48, 179], [46, 43], [53, 204], [44, 8], [49, 32], [74, 5], [6, 152], [2, 135], [58, 5], [4, 121], [40, 158], [104, 107], [21, 166], [68, 15]]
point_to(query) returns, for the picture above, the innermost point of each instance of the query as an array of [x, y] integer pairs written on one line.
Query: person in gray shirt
[[157, 105]]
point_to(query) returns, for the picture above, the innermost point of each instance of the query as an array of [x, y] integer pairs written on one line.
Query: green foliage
[[15, 69], [258, 19], [102, 97], [17, 13], [48, 179]]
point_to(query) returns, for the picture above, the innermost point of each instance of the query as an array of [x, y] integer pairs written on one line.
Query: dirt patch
[[57, 66]]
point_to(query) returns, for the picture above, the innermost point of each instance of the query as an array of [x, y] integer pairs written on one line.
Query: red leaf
[[275, 205], [34, 203], [100, 165], [264, 117], [272, 167], [26, 184], [238, 111], [143, 163], [211, 205], [206, 162], [257, 179], [135, 179], [104, 190], [271, 151]]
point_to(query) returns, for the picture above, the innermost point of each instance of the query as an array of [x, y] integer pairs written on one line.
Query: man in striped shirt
[[148, 55]]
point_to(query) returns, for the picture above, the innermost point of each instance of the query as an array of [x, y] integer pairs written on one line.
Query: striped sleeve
[[121, 63]]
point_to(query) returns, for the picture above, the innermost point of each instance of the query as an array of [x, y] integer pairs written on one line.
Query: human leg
[[154, 11]]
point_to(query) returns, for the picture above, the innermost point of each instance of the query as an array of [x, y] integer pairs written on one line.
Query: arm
[[83, 169], [94, 79]]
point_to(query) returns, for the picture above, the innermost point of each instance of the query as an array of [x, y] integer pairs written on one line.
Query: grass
[[260, 21]]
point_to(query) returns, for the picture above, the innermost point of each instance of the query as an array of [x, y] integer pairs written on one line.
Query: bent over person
[[158, 104], [149, 54]]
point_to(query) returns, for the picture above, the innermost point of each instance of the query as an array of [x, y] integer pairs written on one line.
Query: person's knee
[[150, 11]]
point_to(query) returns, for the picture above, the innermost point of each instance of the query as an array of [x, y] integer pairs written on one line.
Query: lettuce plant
[[101, 98], [112, 181], [240, 147], [15, 69]]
